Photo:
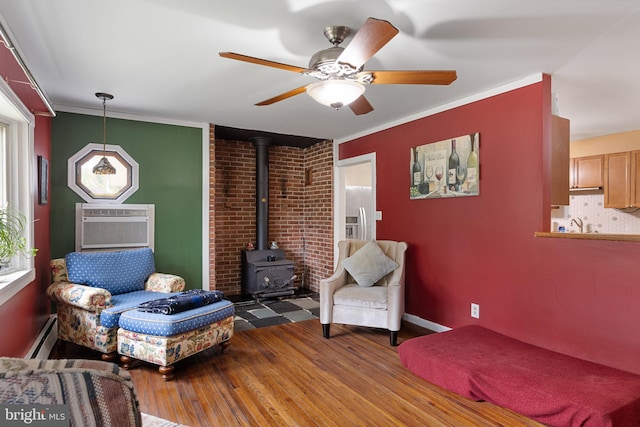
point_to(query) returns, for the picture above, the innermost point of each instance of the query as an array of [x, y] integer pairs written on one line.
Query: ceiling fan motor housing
[[326, 60]]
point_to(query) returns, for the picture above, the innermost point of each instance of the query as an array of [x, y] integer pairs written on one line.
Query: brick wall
[[212, 207], [319, 214], [300, 216]]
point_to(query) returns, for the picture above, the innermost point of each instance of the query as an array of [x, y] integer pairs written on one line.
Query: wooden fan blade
[[416, 77], [361, 106], [259, 61], [283, 96], [373, 35]]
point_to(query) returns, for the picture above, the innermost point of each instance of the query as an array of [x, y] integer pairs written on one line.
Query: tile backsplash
[[596, 218]]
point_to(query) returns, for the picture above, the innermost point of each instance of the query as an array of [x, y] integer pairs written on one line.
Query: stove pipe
[[262, 190]]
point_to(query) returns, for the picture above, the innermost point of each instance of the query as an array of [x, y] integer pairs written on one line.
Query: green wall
[[170, 160]]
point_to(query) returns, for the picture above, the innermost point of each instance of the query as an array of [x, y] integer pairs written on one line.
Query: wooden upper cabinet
[[559, 161], [587, 172], [634, 189], [617, 180]]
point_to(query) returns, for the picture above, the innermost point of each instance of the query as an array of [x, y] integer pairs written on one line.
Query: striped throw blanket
[[98, 393]]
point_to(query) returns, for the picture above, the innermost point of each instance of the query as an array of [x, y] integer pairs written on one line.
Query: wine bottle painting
[[448, 168]]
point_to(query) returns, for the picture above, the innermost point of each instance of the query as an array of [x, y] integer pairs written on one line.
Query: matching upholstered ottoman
[[165, 339]]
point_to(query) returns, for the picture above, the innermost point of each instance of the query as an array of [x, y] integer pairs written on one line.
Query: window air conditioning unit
[[108, 227]]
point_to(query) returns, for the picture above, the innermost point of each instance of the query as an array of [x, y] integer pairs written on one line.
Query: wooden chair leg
[[129, 362], [109, 357], [224, 345], [167, 372], [326, 330], [393, 338]]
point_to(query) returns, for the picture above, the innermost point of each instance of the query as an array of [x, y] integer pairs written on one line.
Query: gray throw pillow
[[369, 264]]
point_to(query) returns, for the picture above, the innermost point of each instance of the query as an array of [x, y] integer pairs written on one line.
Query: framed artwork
[[448, 168], [43, 180]]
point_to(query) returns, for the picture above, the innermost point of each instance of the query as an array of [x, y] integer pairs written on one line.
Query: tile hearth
[[276, 311]]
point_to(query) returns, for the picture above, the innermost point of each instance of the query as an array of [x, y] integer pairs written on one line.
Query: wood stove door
[[273, 279]]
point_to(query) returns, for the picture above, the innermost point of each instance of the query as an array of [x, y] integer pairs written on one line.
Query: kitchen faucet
[[578, 222]]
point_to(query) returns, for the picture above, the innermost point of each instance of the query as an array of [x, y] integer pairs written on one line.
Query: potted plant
[[12, 240]]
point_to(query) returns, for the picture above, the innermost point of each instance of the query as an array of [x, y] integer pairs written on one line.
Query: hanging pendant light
[[104, 167]]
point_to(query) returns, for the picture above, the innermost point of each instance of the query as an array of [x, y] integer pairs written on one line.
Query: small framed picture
[[43, 180]]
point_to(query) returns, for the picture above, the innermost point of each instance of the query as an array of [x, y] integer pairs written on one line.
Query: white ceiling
[[159, 58]]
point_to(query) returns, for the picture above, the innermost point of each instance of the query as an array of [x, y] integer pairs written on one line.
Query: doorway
[[355, 198]]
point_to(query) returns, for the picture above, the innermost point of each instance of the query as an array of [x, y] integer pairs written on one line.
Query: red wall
[[574, 296], [24, 315]]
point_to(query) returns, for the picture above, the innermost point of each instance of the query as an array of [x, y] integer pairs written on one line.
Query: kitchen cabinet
[[622, 180], [635, 178], [559, 161], [586, 172]]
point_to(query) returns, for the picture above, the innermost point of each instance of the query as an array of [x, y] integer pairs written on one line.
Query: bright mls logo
[[34, 415]]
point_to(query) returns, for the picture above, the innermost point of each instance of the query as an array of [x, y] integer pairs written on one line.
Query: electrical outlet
[[475, 310]]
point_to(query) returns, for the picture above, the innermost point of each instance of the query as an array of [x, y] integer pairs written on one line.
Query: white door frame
[[339, 205]]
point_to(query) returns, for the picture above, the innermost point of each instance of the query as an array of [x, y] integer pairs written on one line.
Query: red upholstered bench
[[549, 387]]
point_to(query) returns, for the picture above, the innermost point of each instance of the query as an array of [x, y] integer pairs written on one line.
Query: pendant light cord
[[104, 167], [104, 126]]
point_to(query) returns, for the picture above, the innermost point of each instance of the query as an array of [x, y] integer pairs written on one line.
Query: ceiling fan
[[340, 71]]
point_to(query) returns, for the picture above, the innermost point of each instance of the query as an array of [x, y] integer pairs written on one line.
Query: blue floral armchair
[[92, 290]]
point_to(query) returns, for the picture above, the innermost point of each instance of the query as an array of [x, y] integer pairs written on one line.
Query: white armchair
[[352, 301]]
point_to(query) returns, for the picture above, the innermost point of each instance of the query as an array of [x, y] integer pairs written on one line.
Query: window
[[3, 164], [17, 189], [102, 188]]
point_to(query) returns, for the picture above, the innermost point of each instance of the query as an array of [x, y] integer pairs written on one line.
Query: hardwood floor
[[288, 375]]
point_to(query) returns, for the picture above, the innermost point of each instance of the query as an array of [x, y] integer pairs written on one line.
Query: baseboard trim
[[42, 347], [433, 326]]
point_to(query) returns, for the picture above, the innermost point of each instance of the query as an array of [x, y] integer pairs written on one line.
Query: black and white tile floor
[[269, 312]]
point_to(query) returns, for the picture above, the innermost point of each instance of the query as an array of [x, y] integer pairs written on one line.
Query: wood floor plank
[[290, 375]]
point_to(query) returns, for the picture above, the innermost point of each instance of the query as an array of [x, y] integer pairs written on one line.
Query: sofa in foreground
[[96, 392]]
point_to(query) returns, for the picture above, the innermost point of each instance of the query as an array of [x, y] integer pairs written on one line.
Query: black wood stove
[[265, 272]]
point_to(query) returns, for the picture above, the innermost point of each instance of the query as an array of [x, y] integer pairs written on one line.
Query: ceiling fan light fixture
[[335, 93]]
